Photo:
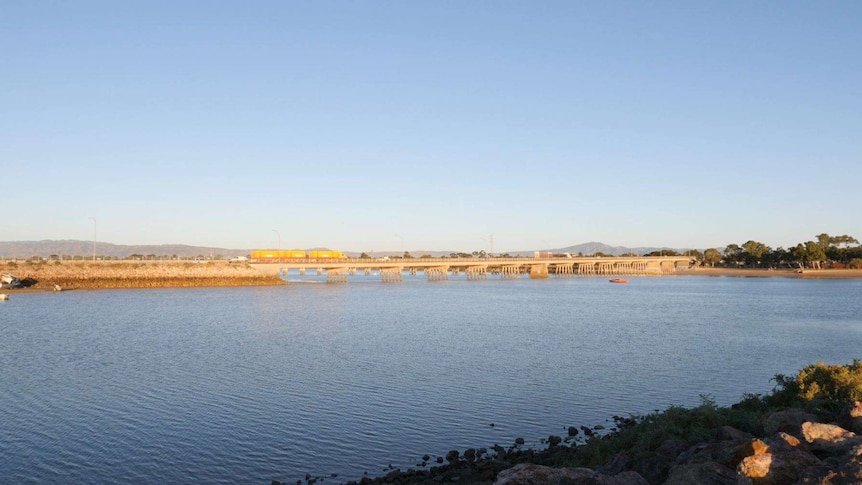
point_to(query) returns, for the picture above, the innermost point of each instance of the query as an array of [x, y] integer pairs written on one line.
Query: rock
[[775, 468], [706, 473], [828, 437], [425, 457], [470, 454], [850, 417], [529, 474], [572, 431], [519, 441], [452, 456], [788, 421], [554, 440], [783, 442], [850, 472], [654, 466], [731, 433], [752, 448]]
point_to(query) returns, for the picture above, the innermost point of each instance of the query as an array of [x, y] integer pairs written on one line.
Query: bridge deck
[[576, 265]]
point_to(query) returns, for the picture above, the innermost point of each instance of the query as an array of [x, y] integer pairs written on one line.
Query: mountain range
[[48, 248]]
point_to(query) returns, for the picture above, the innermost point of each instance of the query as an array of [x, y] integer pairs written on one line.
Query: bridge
[[439, 269]]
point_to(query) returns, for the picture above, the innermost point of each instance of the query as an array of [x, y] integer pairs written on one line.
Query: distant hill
[[594, 247], [45, 249]]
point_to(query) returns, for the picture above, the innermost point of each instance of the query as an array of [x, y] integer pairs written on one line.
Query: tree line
[[843, 249]]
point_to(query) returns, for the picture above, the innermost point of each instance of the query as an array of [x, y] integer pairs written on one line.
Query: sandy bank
[[782, 273], [142, 274]]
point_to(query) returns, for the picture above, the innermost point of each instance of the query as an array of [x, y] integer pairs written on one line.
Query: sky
[[437, 125]]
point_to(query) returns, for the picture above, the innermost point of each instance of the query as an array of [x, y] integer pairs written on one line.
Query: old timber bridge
[[439, 269]]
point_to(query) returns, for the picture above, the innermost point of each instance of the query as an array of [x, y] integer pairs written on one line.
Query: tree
[[753, 251], [426, 256], [776, 256], [732, 253], [407, 255], [364, 256], [711, 256], [810, 252], [838, 246], [824, 241]]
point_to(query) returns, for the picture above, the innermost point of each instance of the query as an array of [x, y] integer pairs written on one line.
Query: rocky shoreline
[[808, 432], [116, 275]]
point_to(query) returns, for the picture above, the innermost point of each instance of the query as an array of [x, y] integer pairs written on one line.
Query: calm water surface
[[252, 384]]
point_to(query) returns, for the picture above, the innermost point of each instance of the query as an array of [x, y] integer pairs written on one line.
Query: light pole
[[94, 237], [402, 244], [279, 239], [278, 253]]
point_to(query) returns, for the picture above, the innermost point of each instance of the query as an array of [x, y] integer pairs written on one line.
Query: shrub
[[831, 385], [643, 434]]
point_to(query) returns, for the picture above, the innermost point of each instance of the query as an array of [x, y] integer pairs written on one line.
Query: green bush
[[643, 434], [830, 385]]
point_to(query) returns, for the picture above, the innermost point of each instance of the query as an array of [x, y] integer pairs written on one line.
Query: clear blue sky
[[355, 125]]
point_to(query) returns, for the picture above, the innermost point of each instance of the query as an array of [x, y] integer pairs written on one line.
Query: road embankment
[[136, 274]]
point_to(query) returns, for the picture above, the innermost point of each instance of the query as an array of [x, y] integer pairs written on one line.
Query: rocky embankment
[[792, 446], [143, 274]]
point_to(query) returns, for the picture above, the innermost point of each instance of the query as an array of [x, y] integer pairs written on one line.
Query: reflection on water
[[248, 385]]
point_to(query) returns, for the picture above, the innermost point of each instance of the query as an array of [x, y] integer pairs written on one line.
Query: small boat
[[619, 280]]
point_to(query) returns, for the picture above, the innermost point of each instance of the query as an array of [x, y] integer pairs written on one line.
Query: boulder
[[850, 417], [783, 442], [745, 450], [654, 466], [788, 421], [706, 473], [529, 474], [828, 438], [775, 468], [733, 434]]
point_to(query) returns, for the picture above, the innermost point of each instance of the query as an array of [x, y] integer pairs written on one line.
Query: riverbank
[[775, 273], [92, 275]]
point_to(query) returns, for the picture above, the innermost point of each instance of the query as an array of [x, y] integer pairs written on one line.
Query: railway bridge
[[440, 269]]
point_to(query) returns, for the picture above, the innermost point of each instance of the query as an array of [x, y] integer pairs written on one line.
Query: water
[[247, 385]]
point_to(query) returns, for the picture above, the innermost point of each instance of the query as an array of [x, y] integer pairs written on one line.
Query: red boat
[[619, 280]]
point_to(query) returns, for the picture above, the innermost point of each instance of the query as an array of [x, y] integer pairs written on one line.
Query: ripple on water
[[253, 384]]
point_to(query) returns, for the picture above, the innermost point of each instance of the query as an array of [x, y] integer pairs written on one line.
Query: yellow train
[[275, 254]]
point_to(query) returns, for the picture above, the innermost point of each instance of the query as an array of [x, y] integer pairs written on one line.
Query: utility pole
[[279, 239], [94, 237]]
